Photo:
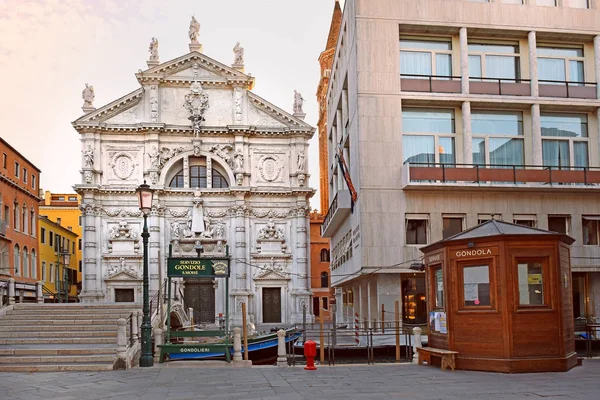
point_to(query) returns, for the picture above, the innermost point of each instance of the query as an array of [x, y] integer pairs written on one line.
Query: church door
[[271, 305], [200, 295]]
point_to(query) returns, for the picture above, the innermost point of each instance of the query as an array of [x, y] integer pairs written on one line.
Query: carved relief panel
[[269, 167], [122, 165]]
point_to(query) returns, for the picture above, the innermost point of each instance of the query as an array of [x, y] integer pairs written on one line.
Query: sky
[[49, 49]]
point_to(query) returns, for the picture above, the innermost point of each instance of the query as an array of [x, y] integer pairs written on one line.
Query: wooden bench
[[448, 357]]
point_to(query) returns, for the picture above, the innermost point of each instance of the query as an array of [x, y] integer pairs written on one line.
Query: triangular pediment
[[123, 276], [125, 104], [269, 275], [263, 113]]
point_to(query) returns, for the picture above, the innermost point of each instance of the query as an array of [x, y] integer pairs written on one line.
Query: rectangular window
[[51, 273], [7, 215], [494, 60], [124, 296], [325, 302], [559, 64], [79, 220], [17, 169], [79, 244], [481, 218], [428, 135], [25, 175], [525, 220], [4, 158], [423, 120], [558, 223], [420, 57], [43, 271], [569, 141], [51, 241], [577, 4], [590, 230], [33, 181], [476, 286], [531, 283], [438, 288], [452, 225], [497, 138], [549, 3], [43, 235], [416, 230]]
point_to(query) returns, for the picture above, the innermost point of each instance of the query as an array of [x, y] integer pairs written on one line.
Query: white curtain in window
[[551, 69], [555, 153], [418, 149], [576, 71], [415, 62], [443, 64], [506, 151], [474, 67], [500, 67], [446, 149], [580, 153]]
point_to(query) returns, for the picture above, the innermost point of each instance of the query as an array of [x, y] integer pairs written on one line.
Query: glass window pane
[[551, 69], [501, 67], [451, 226], [415, 63], [476, 288], [578, 4], [478, 146], [565, 125], [590, 231], [418, 149], [531, 284], [425, 44], [497, 123], [416, 231], [475, 67], [559, 51], [557, 224], [576, 71], [580, 153], [443, 64], [446, 150], [555, 153], [506, 151], [417, 120], [439, 288], [493, 48]]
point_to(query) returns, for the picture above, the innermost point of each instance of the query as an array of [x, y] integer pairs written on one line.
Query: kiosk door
[[271, 305], [200, 295]]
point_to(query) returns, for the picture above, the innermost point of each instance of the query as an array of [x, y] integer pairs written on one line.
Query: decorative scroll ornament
[[282, 213], [196, 103], [166, 154], [222, 150]]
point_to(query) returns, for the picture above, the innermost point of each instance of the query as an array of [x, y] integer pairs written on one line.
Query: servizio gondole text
[[189, 267]]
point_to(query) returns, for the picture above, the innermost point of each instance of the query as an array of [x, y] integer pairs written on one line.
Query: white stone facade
[[260, 214]]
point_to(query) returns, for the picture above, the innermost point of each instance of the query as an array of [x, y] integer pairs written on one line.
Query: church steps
[[33, 351], [59, 359], [59, 334], [26, 327], [105, 317], [56, 340], [76, 306], [51, 367], [61, 322]]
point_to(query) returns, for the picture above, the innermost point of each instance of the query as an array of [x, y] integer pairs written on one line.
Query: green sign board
[[198, 267]]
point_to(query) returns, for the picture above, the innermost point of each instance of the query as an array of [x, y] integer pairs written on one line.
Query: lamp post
[[65, 257], [145, 200]]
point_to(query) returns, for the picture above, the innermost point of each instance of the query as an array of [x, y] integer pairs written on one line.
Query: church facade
[[229, 171]]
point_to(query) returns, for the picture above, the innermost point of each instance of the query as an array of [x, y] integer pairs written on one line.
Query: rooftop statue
[[194, 30], [298, 102], [239, 54], [88, 96], [153, 49]]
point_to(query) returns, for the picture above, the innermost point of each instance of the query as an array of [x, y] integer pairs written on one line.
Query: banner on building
[[346, 174]]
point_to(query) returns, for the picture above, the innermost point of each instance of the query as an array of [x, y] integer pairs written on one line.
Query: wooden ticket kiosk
[[500, 295]]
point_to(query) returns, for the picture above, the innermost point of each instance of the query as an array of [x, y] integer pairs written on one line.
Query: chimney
[[58, 221]]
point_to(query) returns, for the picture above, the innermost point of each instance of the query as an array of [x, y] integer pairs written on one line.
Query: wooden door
[[200, 295], [271, 305]]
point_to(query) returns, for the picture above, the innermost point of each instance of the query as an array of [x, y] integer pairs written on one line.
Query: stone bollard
[[190, 316], [237, 344], [11, 291], [417, 343], [140, 317], [158, 340], [281, 354], [38, 292], [134, 328], [122, 339]]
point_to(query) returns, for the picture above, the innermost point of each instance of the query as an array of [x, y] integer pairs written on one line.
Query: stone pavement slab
[[401, 381]]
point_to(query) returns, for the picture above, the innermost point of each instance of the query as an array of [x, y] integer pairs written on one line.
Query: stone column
[[237, 344], [88, 254], [158, 341], [154, 247], [39, 292], [597, 62], [134, 329], [11, 291], [121, 339], [536, 135], [281, 354], [466, 133], [533, 65], [417, 343], [464, 60]]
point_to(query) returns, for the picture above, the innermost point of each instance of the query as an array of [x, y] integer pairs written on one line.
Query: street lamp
[[66, 259], [145, 200], [63, 256]]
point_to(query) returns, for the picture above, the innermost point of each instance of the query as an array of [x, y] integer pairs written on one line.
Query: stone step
[[62, 340], [62, 322], [57, 352], [56, 367], [112, 317], [56, 327], [75, 306], [53, 359], [55, 333], [69, 312]]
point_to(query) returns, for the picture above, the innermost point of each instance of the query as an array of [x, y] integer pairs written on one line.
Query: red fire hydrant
[[310, 352]]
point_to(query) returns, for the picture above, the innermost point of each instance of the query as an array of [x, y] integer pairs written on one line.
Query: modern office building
[[19, 180], [450, 113]]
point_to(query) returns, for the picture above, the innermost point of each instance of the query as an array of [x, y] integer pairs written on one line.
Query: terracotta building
[[319, 246], [19, 180]]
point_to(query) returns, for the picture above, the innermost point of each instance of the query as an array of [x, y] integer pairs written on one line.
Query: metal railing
[[130, 321], [515, 174], [331, 210], [155, 300]]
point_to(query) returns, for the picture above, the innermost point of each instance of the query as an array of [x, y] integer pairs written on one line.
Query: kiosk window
[[476, 285], [438, 289], [531, 283]]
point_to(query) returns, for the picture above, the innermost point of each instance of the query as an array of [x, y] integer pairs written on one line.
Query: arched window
[[25, 263], [198, 178], [33, 265], [33, 225], [324, 255], [16, 217], [24, 219], [17, 260], [324, 279]]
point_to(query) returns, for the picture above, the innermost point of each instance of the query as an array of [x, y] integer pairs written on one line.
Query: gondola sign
[[198, 267]]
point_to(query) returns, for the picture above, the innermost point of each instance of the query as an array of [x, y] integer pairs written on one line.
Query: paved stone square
[[270, 383]]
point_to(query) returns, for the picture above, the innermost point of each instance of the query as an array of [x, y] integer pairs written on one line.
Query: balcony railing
[[428, 173], [498, 86], [339, 209]]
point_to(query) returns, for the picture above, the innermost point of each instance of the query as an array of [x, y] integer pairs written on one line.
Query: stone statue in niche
[[197, 213], [208, 229], [153, 49], [154, 158], [301, 161], [175, 230], [88, 96], [194, 30], [88, 157], [239, 54], [238, 161], [298, 102]]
